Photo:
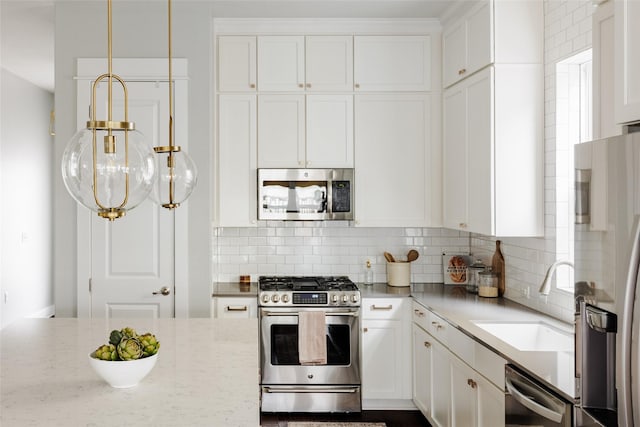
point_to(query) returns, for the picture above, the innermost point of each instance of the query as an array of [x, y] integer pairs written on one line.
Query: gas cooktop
[[308, 290]]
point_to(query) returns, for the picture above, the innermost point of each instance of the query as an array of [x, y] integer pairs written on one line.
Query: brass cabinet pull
[[462, 71], [418, 313], [427, 344], [472, 383], [386, 308], [236, 308], [463, 225]]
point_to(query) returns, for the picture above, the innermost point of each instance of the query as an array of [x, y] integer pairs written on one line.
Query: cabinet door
[[480, 152], [235, 308], [422, 375], [454, 149], [627, 60], [237, 64], [329, 63], [281, 131], [281, 63], [237, 161], [454, 52], [479, 41], [329, 142], [490, 404], [392, 152], [441, 378], [381, 366], [463, 394], [392, 63]]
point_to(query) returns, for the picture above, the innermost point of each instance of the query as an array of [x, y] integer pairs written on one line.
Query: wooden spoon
[[412, 255], [389, 257]]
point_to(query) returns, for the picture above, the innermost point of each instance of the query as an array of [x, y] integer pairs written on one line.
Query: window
[[573, 126]]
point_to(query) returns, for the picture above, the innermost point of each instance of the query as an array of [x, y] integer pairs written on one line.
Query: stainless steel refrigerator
[[607, 266]]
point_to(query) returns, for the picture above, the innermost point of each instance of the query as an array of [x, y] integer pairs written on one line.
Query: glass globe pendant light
[[177, 173], [108, 167]]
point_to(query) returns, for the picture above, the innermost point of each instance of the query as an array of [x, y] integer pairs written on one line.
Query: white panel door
[[454, 149], [237, 63], [422, 375], [454, 53], [329, 131], [281, 63], [133, 257], [329, 63], [381, 364], [281, 131]]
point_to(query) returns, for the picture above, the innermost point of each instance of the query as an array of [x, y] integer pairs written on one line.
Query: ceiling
[[27, 26]]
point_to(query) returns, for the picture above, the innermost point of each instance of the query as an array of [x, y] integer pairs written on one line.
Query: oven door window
[[284, 345]]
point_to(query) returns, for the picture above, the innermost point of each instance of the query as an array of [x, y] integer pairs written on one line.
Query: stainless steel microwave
[[305, 194]]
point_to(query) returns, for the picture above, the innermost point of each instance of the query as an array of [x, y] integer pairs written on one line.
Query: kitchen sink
[[530, 336]]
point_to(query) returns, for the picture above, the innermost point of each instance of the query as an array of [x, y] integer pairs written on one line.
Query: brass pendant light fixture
[[178, 176], [117, 175]]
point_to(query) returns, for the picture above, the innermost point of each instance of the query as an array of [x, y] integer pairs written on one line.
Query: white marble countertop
[[206, 374], [454, 304], [235, 289]]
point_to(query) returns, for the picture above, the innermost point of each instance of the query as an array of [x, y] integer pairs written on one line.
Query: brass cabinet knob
[[252, 85], [308, 84], [462, 71], [300, 85], [472, 383], [427, 344], [357, 86]]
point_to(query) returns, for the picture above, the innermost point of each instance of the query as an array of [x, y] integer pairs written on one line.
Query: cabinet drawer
[[489, 364], [420, 316], [383, 308], [460, 345], [235, 307], [438, 328]]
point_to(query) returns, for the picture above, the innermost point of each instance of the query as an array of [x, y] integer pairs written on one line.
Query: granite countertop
[[461, 309], [235, 289], [206, 374]]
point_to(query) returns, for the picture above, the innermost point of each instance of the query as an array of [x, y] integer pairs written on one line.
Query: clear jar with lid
[[488, 284], [474, 269]]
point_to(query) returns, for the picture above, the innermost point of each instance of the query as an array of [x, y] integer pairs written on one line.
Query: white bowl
[[123, 373]]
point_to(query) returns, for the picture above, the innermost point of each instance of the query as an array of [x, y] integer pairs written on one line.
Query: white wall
[[567, 31], [25, 187], [139, 31]]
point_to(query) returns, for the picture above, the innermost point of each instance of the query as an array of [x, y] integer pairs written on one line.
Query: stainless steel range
[[288, 385]]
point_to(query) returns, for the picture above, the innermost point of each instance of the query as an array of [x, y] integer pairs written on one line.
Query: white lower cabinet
[[386, 365], [234, 308], [457, 381]]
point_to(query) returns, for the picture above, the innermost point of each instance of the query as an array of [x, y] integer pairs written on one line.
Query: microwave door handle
[[539, 409]]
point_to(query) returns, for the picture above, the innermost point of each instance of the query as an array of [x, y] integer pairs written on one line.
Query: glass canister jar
[[474, 269], [488, 284]]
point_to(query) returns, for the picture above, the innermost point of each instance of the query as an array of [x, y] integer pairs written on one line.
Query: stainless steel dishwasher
[[527, 403]]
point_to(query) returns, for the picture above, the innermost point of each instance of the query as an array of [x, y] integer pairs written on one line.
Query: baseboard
[[388, 404], [46, 312]]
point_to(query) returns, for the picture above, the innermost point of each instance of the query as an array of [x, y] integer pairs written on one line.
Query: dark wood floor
[[391, 418]]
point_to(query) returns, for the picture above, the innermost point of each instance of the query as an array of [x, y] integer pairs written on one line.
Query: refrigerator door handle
[[626, 398]]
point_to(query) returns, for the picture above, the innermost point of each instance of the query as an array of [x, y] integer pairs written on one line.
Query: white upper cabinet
[[392, 63], [397, 152], [492, 31], [299, 63], [492, 152], [281, 63], [467, 44], [237, 174], [237, 64], [604, 122], [298, 131], [329, 63], [627, 61]]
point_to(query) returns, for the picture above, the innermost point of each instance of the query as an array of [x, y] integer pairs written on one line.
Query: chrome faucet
[[546, 283]]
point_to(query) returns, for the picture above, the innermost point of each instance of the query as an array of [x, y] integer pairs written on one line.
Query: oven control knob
[[275, 298], [265, 298], [334, 298], [285, 298], [354, 298], [345, 298]]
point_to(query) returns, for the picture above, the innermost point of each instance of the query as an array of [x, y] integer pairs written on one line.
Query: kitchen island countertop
[[206, 374]]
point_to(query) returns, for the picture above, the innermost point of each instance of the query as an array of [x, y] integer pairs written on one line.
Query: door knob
[[163, 291]]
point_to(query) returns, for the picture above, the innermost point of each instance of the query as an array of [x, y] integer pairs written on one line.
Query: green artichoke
[[106, 352], [129, 332], [129, 349], [115, 337], [150, 344]]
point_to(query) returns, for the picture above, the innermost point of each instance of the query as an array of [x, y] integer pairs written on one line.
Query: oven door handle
[[310, 390], [534, 406], [295, 313]]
